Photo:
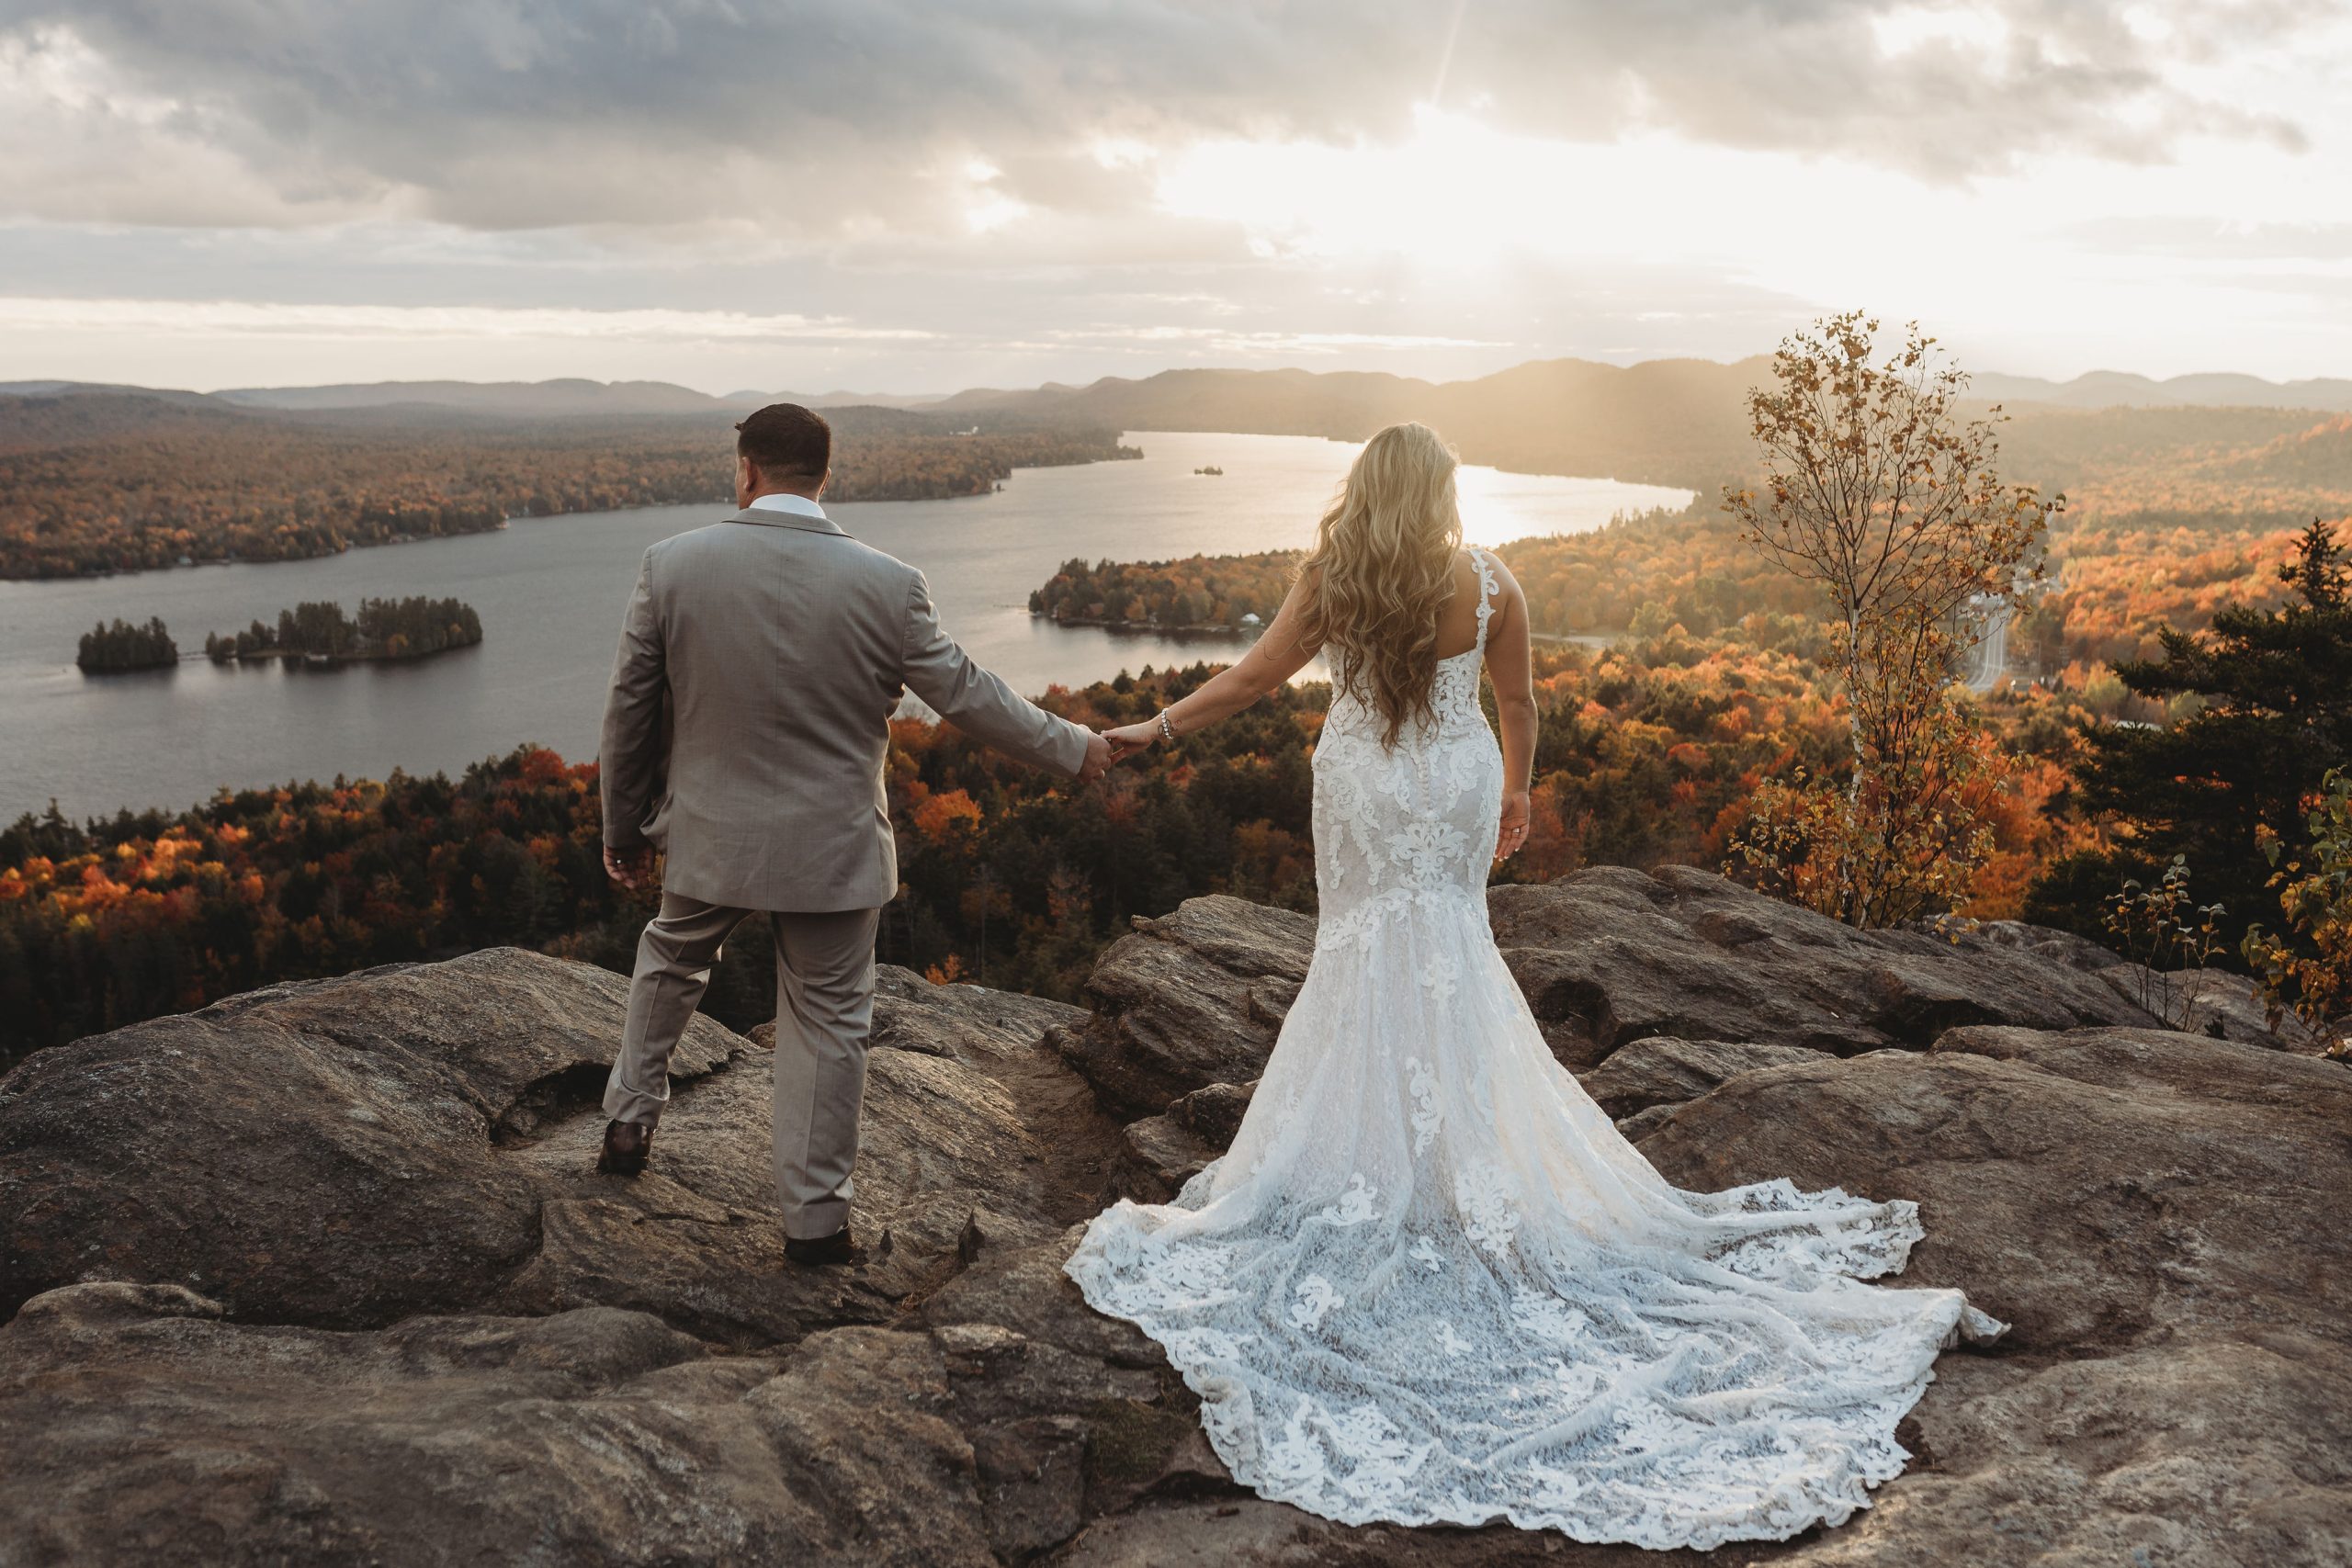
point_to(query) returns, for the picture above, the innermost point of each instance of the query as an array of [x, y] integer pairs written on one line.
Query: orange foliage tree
[[1877, 493]]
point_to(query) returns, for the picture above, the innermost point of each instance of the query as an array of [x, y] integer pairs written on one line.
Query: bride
[[1429, 1281]]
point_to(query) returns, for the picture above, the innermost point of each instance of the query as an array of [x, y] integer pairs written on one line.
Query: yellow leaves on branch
[[1880, 497], [2309, 968]]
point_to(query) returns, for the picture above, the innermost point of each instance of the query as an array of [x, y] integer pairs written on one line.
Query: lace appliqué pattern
[[1426, 1118], [1489, 1214], [1430, 1283], [1316, 1297]]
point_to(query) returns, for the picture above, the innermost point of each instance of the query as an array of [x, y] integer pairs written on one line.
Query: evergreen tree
[[123, 646], [2274, 690]]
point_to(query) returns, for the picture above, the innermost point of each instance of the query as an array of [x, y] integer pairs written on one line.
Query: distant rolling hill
[[2116, 388], [1661, 421], [2109, 439], [1682, 422], [544, 400], [89, 416], [529, 399]]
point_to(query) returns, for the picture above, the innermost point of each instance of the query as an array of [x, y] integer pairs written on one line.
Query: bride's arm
[[1509, 665], [1280, 652]]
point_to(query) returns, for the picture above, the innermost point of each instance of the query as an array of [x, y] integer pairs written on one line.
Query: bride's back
[[1384, 585], [1457, 621]]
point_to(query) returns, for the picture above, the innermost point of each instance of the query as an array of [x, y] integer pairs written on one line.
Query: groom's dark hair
[[788, 441]]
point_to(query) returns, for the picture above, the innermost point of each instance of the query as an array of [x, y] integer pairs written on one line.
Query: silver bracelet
[[1167, 730]]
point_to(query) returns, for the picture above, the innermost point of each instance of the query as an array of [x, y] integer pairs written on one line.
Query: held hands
[[1511, 837], [1130, 738], [632, 869], [1100, 755], [1111, 747]]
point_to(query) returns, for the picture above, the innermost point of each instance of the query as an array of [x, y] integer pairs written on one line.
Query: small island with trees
[[384, 629], [113, 650], [1218, 594]]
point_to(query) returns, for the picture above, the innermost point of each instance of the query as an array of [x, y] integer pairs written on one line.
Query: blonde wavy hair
[[1381, 569]]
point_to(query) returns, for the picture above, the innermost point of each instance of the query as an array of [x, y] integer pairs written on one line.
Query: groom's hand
[[1100, 755], [631, 868]]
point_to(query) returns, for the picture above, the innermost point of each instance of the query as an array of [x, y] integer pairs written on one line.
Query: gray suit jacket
[[779, 647]]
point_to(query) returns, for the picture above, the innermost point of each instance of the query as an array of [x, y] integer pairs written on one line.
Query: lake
[[550, 591]]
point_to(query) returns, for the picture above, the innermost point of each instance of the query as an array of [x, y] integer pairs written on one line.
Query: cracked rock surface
[[323, 1274]]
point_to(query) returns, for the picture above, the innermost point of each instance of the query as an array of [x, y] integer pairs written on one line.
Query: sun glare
[[1459, 202], [1460, 192], [1457, 192]]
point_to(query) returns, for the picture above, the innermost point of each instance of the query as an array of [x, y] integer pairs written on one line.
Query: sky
[[912, 196]]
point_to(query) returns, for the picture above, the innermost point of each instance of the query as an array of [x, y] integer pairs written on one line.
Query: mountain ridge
[[1673, 421], [560, 395]]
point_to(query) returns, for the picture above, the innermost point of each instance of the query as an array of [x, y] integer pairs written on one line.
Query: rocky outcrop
[[323, 1274], [2158, 1216], [347, 1152], [2216, 1002], [1165, 1151], [1189, 1006], [353, 1152], [1641, 1082], [1186, 1000], [1609, 954], [164, 1435], [1604, 955]]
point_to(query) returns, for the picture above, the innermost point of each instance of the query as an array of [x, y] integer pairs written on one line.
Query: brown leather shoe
[[820, 1251], [627, 1144]]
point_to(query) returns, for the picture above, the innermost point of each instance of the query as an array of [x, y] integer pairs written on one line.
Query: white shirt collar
[[799, 506]]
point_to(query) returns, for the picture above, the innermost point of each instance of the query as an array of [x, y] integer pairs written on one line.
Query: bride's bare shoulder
[[1474, 555]]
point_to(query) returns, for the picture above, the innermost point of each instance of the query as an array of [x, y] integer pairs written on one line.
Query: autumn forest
[[2173, 679], [108, 481]]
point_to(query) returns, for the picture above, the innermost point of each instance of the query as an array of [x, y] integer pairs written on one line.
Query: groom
[[745, 736]]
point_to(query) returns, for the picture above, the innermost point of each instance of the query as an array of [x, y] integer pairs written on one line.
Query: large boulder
[[2159, 1216], [2096, 1187], [1189, 999], [1162, 1152], [1609, 954], [352, 1152], [144, 1428], [343, 1151], [632, 1375], [1643, 1082]]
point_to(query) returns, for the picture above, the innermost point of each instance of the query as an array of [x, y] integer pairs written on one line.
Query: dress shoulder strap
[[1488, 587]]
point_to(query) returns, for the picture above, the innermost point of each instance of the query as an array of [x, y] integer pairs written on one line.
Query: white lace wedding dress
[[1431, 1282]]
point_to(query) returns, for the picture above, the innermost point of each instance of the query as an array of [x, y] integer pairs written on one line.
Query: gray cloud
[[829, 121]]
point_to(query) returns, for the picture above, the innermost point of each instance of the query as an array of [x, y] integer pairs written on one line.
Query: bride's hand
[[1511, 837], [1130, 738]]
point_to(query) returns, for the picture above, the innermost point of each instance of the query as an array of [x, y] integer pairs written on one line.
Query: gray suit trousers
[[824, 983]]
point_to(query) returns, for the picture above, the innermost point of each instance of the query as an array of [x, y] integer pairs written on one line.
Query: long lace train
[[1431, 1282]]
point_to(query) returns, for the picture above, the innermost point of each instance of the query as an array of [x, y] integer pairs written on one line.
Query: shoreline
[[1223, 632], [1206, 630], [328, 660], [502, 525]]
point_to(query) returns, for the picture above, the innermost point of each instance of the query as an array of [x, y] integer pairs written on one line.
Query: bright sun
[[1459, 201]]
